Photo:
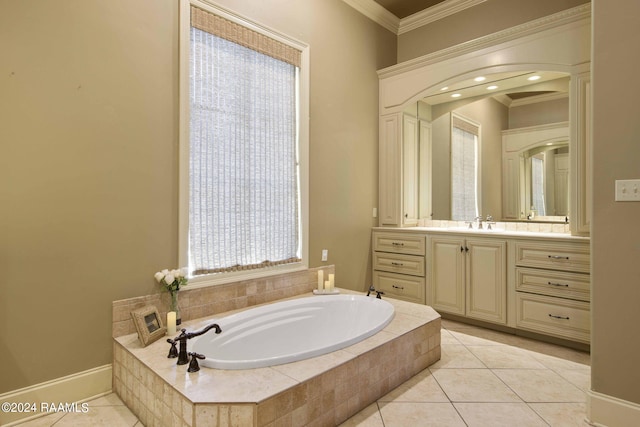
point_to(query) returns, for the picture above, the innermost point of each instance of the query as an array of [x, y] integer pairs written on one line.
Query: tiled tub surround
[[196, 303], [321, 391]]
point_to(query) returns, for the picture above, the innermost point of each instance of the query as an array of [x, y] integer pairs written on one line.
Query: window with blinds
[[464, 169], [244, 186]]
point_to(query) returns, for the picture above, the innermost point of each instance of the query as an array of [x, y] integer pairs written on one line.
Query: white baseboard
[[609, 411], [76, 387]]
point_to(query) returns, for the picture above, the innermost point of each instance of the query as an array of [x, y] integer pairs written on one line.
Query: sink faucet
[[479, 221], [183, 356]]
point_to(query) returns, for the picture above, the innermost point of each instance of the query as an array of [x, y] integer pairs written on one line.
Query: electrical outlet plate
[[325, 254], [628, 190]]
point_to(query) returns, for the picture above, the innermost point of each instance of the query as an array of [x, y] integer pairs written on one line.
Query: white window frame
[[478, 162], [184, 146]]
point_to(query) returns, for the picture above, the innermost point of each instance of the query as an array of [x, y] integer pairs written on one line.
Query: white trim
[[569, 16], [539, 98], [391, 22], [183, 174], [78, 387], [376, 13], [605, 410], [434, 13]]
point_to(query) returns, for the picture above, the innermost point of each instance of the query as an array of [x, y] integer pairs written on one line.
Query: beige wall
[[88, 169], [615, 230], [485, 18]]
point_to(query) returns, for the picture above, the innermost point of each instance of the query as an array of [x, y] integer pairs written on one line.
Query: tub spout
[[182, 355]]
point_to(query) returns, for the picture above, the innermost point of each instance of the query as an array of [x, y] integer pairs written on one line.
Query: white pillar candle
[[332, 282], [327, 285], [171, 322], [320, 280]]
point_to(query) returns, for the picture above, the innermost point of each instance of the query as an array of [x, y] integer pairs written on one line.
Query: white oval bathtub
[[292, 330]]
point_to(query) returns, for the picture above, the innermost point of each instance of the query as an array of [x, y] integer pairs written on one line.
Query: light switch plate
[[325, 254], [628, 190]]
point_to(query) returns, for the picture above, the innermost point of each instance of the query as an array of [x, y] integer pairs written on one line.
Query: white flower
[[175, 273], [169, 278], [184, 271], [159, 276]]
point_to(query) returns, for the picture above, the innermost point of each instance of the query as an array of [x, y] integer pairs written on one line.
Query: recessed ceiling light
[[532, 78], [456, 95], [492, 87], [445, 88], [480, 79]]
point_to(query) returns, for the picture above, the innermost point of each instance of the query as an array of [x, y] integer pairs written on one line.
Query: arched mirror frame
[[560, 42]]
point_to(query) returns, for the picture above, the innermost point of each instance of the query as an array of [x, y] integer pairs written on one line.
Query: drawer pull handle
[[397, 264], [558, 257], [559, 317], [397, 287], [558, 284], [397, 243]]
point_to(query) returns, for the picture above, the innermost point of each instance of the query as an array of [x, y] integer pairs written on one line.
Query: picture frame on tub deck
[[148, 324]]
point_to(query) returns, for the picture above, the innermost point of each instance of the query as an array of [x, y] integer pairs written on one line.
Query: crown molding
[[388, 20], [434, 13], [539, 98], [376, 13], [573, 16]]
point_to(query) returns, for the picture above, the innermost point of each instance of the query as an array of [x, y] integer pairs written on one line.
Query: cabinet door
[[447, 274], [486, 281], [389, 172], [410, 157]]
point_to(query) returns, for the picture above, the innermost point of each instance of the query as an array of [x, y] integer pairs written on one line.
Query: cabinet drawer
[[412, 244], [554, 316], [407, 288], [398, 263], [553, 283], [554, 256]]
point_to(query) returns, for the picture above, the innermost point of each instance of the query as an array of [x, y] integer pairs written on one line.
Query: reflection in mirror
[[514, 101], [546, 185]]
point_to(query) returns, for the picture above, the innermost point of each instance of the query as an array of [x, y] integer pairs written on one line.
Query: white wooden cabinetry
[[399, 169], [553, 288], [468, 277], [399, 265]]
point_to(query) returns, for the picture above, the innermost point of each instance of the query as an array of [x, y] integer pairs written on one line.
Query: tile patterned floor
[[485, 378]]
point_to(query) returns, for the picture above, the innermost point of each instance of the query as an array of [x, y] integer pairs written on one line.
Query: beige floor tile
[[108, 416], [504, 356], [422, 387], [456, 356], [566, 361], [473, 385], [540, 385], [562, 414], [447, 338], [45, 421], [581, 378], [402, 414], [499, 415], [368, 417]]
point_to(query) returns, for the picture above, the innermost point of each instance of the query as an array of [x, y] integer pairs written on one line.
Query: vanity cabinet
[[399, 265], [467, 277], [552, 285], [399, 169]]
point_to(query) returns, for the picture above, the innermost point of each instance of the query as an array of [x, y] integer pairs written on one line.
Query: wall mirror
[[415, 111], [467, 120]]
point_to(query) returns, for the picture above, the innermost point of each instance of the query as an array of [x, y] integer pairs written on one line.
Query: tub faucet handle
[[378, 293], [193, 365], [173, 351], [371, 289]]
